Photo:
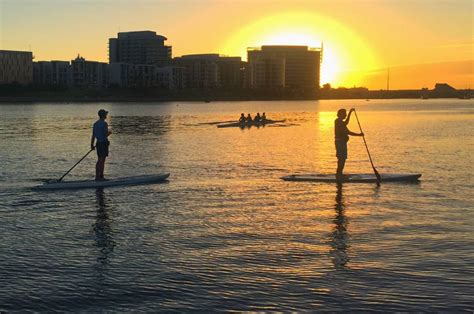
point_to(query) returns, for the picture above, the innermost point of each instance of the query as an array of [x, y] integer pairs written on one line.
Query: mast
[[388, 79]]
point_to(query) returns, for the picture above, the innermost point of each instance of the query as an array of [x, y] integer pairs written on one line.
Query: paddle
[[59, 180], [379, 178]]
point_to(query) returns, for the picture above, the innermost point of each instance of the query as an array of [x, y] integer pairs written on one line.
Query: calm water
[[225, 233]]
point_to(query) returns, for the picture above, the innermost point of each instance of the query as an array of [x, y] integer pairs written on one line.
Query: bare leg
[[340, 167], [99, 168]]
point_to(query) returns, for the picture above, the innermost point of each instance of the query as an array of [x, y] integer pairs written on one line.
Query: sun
[[346, 57]]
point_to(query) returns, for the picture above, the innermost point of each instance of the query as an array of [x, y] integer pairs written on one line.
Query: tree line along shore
[[18, 93]]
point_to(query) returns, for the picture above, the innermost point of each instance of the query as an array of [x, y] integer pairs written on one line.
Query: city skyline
[[418, 41]]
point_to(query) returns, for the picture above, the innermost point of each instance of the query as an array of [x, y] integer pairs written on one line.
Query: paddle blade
[[377, 174]]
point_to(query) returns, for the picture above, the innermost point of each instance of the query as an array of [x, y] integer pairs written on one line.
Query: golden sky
[[421, 41]]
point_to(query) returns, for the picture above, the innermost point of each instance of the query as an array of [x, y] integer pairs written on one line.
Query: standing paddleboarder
[[342, 133], [100, 131]]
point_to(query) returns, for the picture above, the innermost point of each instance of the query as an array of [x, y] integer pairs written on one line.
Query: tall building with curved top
[[294, 67], [142, 47]]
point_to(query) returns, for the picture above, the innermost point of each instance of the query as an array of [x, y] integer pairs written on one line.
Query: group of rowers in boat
[[257, 119]]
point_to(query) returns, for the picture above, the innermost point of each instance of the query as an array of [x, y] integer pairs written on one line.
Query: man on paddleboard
[[100, 131], [342, 133]]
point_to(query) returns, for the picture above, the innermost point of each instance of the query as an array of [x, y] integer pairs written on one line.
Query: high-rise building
[[208, 71], [142, 47], [301, 66], [52, 73], [16, 67], [92, 74]]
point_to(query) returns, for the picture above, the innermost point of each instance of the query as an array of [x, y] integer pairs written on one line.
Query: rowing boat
[[248, 125], [353, 178], [84, 184]]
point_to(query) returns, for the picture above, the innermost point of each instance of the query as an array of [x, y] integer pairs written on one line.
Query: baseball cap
[[102, 112]]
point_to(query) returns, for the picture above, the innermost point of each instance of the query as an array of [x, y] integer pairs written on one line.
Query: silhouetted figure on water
[[342, 133], [242, 118], [249, 119], [257, 118], [100, 131], [264, 117]]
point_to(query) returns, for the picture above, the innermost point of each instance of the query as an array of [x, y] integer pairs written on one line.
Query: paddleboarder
[[100, 131], [342, 133]]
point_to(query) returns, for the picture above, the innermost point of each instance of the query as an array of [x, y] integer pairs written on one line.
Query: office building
[[301, 67], [146, 75], [16, 67], [142, 47], [209, 71], [171, 77], [57, 73], [88, 74], [266, 73]]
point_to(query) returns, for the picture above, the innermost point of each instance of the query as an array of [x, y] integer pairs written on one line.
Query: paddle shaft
[[75, 165], [367, 148]]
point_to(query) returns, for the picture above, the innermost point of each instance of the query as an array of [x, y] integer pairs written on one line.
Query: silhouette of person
[[249, 118], [342, 133], [264, 117], [242, 118], [100, 132], [257, 118]]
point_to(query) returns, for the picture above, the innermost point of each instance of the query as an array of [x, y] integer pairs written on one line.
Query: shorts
[[341, 149], [102, 149]]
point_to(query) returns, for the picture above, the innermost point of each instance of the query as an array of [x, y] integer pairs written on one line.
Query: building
[[57, 73], [16, 67], [89, 74], [210, 71], [302, 66], [146, 75], [171, 77], [266, 73], [231, 72], [143, 47]]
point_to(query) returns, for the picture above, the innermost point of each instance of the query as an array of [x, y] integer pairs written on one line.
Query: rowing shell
[[246, 124], [353, 178], [84, 184]]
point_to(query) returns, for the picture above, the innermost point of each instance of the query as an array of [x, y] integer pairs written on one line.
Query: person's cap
[[102, 112]]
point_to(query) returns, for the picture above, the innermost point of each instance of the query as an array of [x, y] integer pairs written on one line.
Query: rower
[[257, 118], [249, 119], [242, 118], [264, 117]]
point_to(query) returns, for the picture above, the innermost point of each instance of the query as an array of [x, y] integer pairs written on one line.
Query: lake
[[226, 233]]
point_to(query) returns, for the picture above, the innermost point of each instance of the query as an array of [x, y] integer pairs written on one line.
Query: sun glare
[[346, 57]]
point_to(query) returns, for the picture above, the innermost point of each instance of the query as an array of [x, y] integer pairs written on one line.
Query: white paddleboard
[[354, 178], [83, 184]]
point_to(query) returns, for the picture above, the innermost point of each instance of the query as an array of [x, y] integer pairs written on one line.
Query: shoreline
[[35, 99]]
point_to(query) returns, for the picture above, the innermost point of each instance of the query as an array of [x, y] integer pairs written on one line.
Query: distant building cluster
[[141, 59]]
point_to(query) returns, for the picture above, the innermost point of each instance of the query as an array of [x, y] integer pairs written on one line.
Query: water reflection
[[102, 230], [140, 125], [340, 236]]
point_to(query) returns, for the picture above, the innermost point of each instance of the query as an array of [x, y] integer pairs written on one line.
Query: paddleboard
[[84, 184], [353, 178]]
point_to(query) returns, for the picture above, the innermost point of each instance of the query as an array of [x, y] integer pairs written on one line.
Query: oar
[[379, 178], [74, 165]]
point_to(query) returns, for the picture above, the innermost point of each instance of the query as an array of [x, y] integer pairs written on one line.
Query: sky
[[421, 42]]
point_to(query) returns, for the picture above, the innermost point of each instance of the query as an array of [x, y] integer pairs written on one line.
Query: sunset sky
[[421, 41]]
